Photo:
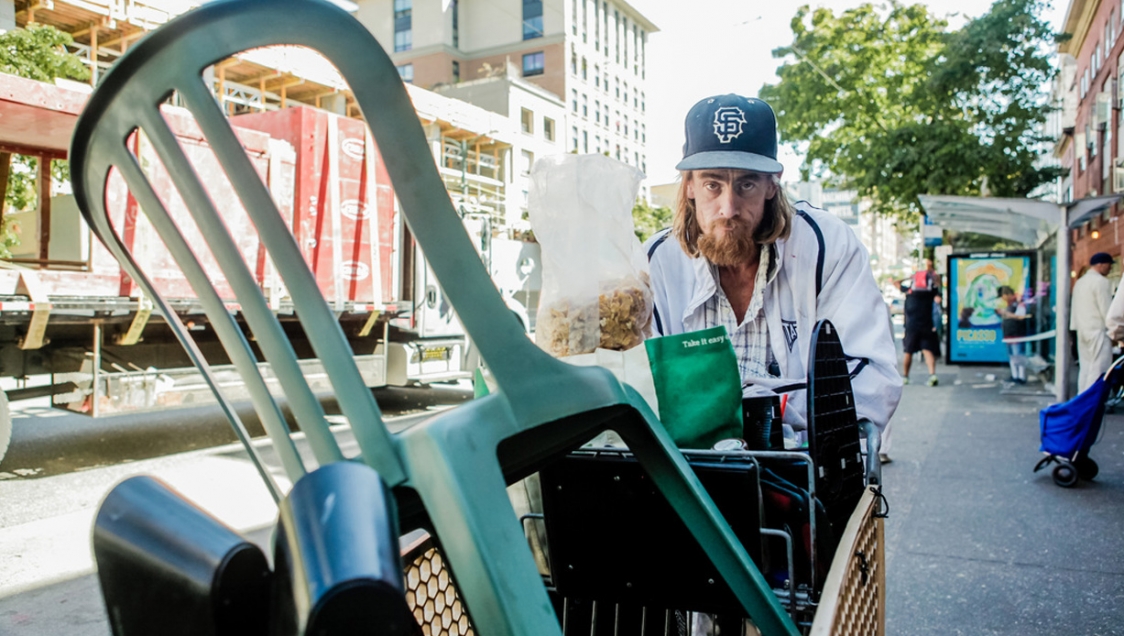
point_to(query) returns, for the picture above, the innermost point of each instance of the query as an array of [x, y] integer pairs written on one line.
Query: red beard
[[727, 243]]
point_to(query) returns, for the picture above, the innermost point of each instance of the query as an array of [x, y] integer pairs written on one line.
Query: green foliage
[[38, 53], [648, 220], [895, 105]]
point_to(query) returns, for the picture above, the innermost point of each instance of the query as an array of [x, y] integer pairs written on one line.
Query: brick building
[[1091, 143]]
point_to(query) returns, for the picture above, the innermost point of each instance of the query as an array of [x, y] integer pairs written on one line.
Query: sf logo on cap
[[728, 122]]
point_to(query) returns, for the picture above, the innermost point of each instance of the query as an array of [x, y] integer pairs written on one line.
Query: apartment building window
[[548, 128], [574, 100], [454, 7], [597, 144], [403, 25], [643, 55], [585, 105], [1109, 33], [643, 133], [596, 26], [574, 137], [406, 72], [585, 141], [1106, 141], [618, 152], [635, 49], [527, 121], [585, 70], [533, 64], [574, 12], [597, 77], [643, 102], [597, 111], [1106, 152], [617, 34], [574, 64], [605, 17], [1120, 92], [456, 71], [532, 19], [617, 85], [626, 126], [585, 20], [624, 29]]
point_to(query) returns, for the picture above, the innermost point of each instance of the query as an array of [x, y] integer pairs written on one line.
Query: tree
[[38, 53], [889, 102], [647, 220]]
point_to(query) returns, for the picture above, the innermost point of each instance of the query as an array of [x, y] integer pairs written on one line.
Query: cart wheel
[[1065, 475], [1087, 468]]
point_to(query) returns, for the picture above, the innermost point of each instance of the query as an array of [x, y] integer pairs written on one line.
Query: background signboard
[[931, 233], [974, 327]]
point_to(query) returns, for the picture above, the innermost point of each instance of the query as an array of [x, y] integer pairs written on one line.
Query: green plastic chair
[[456, 464]]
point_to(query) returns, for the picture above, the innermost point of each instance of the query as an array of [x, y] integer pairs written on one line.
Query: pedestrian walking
[[922, 290]]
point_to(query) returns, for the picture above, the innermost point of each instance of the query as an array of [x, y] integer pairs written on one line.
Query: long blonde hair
[[775, 224]]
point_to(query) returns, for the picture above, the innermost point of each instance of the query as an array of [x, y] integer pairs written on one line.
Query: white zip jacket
[[820, 248]]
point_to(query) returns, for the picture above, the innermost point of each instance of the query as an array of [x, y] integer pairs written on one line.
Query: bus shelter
[[1032, 223]]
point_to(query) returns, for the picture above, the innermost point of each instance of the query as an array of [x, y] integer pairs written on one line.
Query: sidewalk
[[977, 543]]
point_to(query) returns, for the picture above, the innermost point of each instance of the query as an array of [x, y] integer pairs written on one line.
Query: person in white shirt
[[1092, 295], [1114, 320], [740, 255]]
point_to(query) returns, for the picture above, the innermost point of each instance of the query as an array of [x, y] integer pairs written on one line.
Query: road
[[61, 465]]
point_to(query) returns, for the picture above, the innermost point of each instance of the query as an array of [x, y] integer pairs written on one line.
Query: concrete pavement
[[979, 544]]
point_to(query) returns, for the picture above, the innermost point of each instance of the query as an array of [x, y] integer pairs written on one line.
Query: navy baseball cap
[[731, 131], [1101, 257]]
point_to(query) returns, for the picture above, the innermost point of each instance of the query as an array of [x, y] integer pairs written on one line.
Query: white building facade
[[591, 54]]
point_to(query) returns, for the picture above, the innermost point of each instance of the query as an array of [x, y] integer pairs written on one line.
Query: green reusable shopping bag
[[698, 386]]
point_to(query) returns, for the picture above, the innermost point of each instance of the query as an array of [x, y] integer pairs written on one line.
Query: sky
[[725, 46]]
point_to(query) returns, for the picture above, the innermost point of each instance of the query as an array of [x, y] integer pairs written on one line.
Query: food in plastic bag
[[596, 291], [622, 315]]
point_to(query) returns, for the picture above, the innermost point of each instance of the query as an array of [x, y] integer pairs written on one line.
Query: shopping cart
[[1070, 429], [811, 518]]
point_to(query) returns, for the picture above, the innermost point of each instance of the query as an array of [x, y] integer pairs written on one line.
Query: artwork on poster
[[976, 327]]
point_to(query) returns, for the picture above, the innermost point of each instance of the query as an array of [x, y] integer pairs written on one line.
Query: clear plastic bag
[[596, 292]]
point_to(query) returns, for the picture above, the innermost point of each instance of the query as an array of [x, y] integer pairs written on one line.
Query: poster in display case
[[975, 333]]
